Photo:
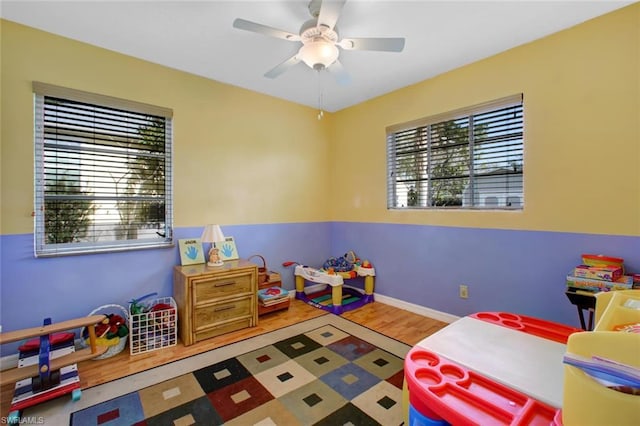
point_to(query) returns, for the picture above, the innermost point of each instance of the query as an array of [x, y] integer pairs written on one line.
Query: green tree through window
[[67, 219], [103, 173], [458, 160]]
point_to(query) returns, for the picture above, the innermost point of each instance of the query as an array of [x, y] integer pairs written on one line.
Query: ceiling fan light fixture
[[319, 54], [320, 40]]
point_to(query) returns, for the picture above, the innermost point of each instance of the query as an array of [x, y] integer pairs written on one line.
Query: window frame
[[164, 238], [412, 143]]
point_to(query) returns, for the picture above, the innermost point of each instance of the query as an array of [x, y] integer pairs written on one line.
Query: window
[[465, 159], [103, 173]]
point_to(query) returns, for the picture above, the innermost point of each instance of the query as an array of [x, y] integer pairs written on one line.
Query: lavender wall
[[515, 271], [68, 287]]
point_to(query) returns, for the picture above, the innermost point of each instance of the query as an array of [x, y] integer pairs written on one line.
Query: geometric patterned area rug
[[325, 371]]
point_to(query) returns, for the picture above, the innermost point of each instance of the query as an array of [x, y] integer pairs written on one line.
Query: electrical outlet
[[464, 291]]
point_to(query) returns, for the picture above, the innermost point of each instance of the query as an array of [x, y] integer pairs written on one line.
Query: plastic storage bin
[[155, 328], [587, 401], [611, 310]]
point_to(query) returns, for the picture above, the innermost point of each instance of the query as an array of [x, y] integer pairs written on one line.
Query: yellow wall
[[582, 132], [244, 158], [240, 157]]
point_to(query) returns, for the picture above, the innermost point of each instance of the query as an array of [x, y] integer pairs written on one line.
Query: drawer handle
[[225, 284], [225, 308]]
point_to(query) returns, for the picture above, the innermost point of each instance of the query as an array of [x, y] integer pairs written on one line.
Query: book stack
[[599, 273], [272, 296]]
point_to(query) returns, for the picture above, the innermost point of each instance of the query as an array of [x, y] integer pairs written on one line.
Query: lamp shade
[[212, 234]]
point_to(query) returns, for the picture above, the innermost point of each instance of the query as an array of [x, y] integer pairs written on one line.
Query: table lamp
[[213, 234]]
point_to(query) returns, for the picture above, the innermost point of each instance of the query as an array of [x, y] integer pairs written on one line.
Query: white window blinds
[[103, 173], [471, 158]]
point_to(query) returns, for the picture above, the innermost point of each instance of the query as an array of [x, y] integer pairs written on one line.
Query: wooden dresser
[[215, 300]]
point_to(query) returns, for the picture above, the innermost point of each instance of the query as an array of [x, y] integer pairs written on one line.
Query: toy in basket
[[112, 332], [153, 323]]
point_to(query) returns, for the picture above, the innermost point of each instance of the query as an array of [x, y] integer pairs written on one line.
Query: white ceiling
[[198, 37]]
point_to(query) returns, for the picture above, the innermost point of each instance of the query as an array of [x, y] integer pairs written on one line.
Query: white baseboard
[[411, 307], [416, 309]]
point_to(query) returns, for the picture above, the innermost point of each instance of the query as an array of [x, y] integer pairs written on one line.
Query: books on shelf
[[599, 273], [274, 301], [623, 283], [603, 272], [272, 295]]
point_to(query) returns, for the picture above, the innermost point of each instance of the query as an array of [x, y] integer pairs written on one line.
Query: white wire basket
[[155, 328], [116, 348]]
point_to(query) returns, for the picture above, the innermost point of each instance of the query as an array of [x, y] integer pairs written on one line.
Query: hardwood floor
[[399, 324]]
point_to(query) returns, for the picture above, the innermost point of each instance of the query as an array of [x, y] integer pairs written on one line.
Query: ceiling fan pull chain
[[320, 100]]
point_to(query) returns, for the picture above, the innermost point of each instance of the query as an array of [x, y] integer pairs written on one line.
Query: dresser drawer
[[223, 329], [205, 316], [205, 289]]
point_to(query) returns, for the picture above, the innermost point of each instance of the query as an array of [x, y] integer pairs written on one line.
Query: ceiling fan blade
[[340, 73], [243, 24], [392, 44], [330, 12], [279, 69]]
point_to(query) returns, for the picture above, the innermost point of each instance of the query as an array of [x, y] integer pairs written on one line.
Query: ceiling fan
[[320, 40]]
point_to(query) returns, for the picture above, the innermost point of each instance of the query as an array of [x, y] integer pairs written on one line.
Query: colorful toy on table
[[338, 298], [340, 264]]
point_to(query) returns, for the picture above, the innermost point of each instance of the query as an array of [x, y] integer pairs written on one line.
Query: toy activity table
[[341, 298], [489, 368]]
